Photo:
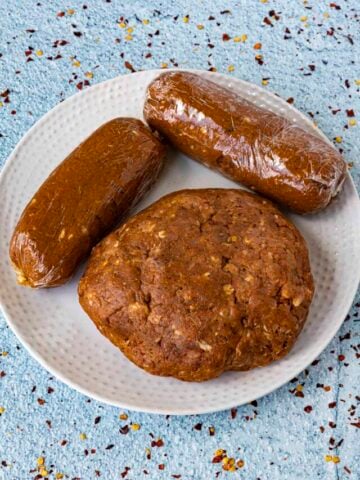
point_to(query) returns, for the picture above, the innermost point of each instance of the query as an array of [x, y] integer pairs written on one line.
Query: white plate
[[55, 330]]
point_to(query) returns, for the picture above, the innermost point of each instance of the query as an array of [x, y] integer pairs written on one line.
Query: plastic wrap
[[250, 145], [82, 199]]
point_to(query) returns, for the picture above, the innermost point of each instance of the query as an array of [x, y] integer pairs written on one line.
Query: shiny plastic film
[[83, 199], [246, 143]]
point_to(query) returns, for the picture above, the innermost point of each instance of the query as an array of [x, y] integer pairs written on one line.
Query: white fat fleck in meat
[[205, 346]]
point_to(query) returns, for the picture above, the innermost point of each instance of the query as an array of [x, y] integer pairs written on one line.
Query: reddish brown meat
[[200, 282], [82, 199], [246, 143]]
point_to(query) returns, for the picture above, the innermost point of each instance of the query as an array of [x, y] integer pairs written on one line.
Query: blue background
[[51, 50]]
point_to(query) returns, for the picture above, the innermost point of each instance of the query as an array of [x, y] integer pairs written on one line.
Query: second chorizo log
[[253, 146], [82, 199]]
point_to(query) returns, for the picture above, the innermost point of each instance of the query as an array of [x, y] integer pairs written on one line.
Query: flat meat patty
[[201, 282]]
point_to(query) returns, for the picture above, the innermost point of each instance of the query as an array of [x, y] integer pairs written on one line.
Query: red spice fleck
[[233, 413], [217, 459], [322, 429], [124, 430], [60, 43], [341, 358], [60, 14], [268, 21], [125, 472], [198, 426], [225, 37], [161, 466], [129, 66], [308, 408], [347, 336], [272, 13], [332, 405], [157, 443], [41, 401]]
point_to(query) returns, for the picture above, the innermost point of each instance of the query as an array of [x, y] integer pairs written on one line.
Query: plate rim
[[177, 411]]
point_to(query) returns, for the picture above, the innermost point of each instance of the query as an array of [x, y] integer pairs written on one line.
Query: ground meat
[[83, 199], [248, 144], [201, 282]]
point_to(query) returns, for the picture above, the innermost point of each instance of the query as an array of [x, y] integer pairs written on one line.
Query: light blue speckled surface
[[311, 60]]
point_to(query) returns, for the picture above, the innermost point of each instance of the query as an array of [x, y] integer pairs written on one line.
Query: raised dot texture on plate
[[57, 332]]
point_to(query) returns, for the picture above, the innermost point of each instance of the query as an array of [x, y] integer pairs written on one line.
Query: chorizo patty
[[201, 282]]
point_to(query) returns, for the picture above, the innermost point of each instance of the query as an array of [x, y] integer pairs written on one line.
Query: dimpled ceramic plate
[[74, 350]]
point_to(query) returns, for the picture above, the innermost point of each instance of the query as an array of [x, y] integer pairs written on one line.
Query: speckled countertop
[[306, 51]]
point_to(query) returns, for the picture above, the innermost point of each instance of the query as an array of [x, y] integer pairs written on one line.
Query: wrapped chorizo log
[[82, 199], [250, 145]]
